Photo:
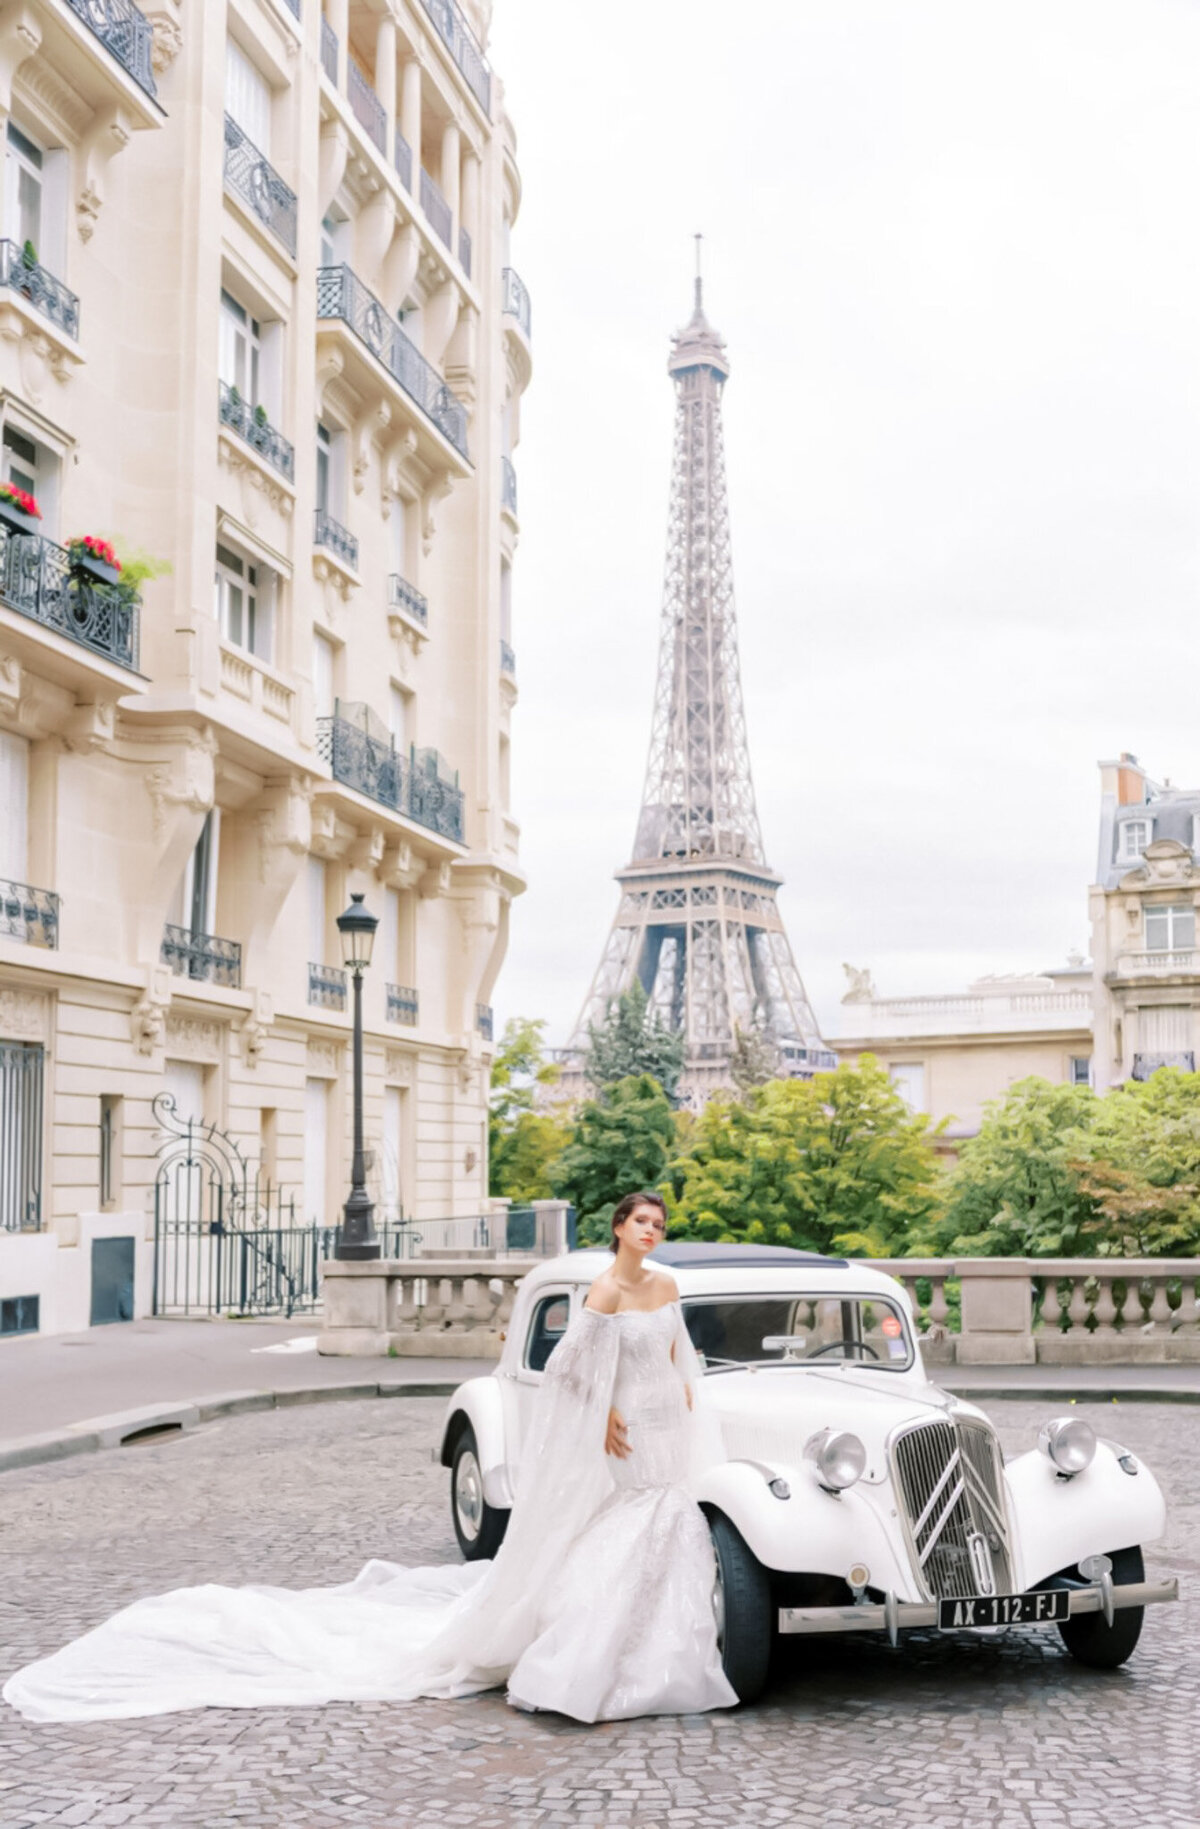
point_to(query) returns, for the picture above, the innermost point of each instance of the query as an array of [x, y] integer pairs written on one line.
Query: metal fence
[[125, 31], [257, 183], [37, 580], [341, 294], [22, 1075], [251, 424], [29, 914], [418, 784], [204, 956], [36, 283], [367, 108], [463, 47], [517, 302]]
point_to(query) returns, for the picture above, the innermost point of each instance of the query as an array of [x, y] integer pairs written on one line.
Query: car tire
[[479, 1527], [1090, 1639], [742, 1604]]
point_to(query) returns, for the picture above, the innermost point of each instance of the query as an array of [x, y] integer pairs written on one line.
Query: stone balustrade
[[427, 1308]]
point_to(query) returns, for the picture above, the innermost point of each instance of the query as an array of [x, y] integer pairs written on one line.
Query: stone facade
[[257, 319]]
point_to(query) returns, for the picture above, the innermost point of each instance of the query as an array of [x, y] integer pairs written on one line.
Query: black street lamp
[[358, 1238]]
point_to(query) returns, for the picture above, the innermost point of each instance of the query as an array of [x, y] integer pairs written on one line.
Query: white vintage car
[[854, 1495]]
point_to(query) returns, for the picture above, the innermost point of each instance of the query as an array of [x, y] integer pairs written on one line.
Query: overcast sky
[[954, 249]]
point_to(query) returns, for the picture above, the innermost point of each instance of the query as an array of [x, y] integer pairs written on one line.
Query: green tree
[[630, 1042], [621, 1141], [837, 1163], [523, 1140], [1016, 1190], [1142, 1173], [753, 1059]]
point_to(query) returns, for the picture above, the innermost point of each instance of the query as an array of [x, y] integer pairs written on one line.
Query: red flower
[[20, 499], [95, 548]]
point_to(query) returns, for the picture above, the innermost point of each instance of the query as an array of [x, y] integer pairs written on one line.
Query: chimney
[[1131, 781]]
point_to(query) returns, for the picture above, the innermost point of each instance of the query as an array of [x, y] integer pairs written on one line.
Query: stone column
[[449, 178], [410, 116], [470, 205], [338, 14], [385, 74], [997, 1311]]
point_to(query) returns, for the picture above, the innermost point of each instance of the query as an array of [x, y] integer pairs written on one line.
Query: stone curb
[[129, 1426]]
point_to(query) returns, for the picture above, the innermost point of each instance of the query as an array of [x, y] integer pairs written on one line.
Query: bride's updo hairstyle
[[625, 1207]]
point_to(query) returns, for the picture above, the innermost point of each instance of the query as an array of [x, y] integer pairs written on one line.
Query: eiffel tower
[[698, 921]]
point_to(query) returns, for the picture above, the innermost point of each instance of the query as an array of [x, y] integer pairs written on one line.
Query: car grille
[[949, 1479]]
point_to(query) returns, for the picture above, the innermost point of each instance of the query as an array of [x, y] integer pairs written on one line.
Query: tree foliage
[[837, 1163], [620, 1142], [523, 1140], [630, 1042], [753, 1059]]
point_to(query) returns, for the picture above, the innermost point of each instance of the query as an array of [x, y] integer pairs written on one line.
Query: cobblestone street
[[1001, 1734]]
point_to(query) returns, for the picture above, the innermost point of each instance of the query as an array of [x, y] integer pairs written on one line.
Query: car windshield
[[731, 1331]]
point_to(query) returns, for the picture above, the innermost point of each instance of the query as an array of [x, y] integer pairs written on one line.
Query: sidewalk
[[65, 1393]]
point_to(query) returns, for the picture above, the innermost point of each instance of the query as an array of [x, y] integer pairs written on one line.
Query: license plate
[[1005, 1609]]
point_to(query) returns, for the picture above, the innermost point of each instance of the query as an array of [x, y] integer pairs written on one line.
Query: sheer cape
[[392, 1633]]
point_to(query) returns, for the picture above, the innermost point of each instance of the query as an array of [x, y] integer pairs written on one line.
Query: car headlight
[[838, 1458], [1069, 1442]]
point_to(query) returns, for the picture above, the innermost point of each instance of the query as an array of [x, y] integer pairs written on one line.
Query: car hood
[[768, 1414]]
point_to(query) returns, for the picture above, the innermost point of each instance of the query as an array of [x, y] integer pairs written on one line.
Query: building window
[[14, 808], [331, 482], [22, 1072], [243, 602], [400, 719], [908, 1077], [1079, 1070], [241, 348], [195, 903], [23, 188], [1170, 928], [1133, 835], [32, 466], [19, 1314], [247, 97], [323, 662], [110, 1149]]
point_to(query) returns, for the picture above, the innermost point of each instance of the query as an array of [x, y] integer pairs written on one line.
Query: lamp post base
[[357, 1237]]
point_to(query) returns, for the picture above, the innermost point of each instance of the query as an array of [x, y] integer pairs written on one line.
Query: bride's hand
[[615, 1439], [687, 1391]]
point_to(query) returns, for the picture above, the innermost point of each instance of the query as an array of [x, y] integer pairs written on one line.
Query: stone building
[[258, 320], [1143, 910], [949, 1054]]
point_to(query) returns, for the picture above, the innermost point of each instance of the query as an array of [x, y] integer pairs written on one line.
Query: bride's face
[[642, 1230]]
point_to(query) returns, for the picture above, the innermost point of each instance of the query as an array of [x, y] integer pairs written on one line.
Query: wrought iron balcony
[[464, 252], [193, 955], [329, 51], [29, 914], [517, 302], [463, 47], [402, 1005], [258, 184], [508, 660], [1146, 1064], [124, 31], [437, 210], [259, 433], [36, 283], [36, 579], [293, 7], [508, 485], [366, 106], [341, 294], [327, 986], [483, 1020], [331, 534], [402, 596], [403, 161], [419, 786]]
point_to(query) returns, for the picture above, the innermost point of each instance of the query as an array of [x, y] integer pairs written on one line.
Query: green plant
[[29, 255], [138, 567], [260, 414], [621, 1141], [630, 1041]]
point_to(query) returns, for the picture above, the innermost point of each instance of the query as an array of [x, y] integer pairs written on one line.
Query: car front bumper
[[895, 1616]]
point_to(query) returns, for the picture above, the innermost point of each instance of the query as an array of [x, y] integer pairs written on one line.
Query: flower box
[[18, 510], [95, 559]]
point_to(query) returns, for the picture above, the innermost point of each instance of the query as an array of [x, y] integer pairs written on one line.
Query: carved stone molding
[[434, 881], [148, 1018], [256, 1029], [193, 1038], [285, 827], [168, 36], [110, 133], [434, 496], [321, 1058], [42, 353], [20, 38], [91, 726], [399, 868], [337, 580], [186, 781], [25, 1015], [257, 482], [399, 1067]]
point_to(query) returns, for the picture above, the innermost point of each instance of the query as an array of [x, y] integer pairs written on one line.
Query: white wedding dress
[[598, 1605]]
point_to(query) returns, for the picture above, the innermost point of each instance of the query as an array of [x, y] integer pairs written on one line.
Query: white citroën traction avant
[[853, 1494]]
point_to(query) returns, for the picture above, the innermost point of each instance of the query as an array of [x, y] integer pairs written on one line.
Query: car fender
[[811, 1532], [480, 1402], [1103, 1508]]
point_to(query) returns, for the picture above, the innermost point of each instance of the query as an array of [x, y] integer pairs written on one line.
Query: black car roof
[[688, 1256]]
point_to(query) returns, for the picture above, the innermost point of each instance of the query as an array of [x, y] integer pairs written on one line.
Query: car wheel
[[1090, 1638], [479, 1527], [742, 1606]]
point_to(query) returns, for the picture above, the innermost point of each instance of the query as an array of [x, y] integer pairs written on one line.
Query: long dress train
[[598, 1605]]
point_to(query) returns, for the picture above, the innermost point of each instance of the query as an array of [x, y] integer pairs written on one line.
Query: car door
[[548, 1321]]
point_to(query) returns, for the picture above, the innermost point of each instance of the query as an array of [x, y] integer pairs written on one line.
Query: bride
[[598, 1604]]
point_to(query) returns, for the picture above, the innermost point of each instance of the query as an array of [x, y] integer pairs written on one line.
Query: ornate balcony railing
[[125, 31], [1146, 1064], [508, 660], [418, 786], [437, 210], [1168, 963], [293, 7], [327, 986], [366, 106], [403, 161], [36, 579], [36, 283], [516, 300], [329, 51], [402, 596], [341, 294], [463, 47], [483, 1020], [259, 185], [508, 485], [331, 534], [29, 914], [259, 434], [464, 252], [402, 1005], [193, 955]]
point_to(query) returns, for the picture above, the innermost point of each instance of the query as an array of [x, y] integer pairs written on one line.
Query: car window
[[547, 1326], [792, 1329]]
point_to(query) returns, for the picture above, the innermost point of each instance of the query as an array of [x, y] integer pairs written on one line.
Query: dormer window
[[1133, 835]]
